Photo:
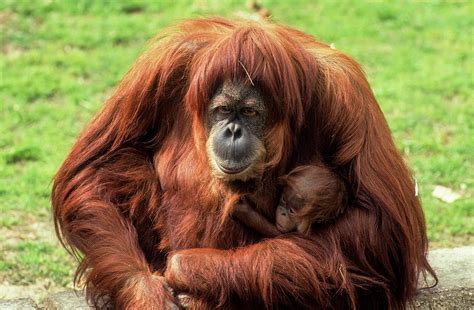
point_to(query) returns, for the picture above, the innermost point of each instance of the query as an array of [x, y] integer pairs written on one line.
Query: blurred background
[[60, 60]]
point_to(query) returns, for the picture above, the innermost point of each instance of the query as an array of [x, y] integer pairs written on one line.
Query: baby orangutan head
[[311, 194]]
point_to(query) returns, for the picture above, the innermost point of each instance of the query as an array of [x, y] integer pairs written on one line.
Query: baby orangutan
[[311, 194]]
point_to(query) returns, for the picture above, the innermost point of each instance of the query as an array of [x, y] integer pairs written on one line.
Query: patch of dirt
[[36, 230], [5, 17], [36, 291], [453, 242], [12, 51]]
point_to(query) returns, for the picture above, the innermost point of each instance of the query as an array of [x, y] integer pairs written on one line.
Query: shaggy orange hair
[[137, 183]]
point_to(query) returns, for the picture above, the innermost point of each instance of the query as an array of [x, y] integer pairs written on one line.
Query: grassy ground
[[60, 60]]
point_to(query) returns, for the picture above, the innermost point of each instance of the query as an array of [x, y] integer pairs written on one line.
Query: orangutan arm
[[307, 271], [251, 218], [267, 273], [113, 264]]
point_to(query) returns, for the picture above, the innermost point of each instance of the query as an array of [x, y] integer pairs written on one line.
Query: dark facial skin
[[285, 221], [290, 203], [236, 126]]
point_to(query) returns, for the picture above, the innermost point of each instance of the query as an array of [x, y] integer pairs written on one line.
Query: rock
[[455, 271], [66, 300], [454, 267], [20, 304]]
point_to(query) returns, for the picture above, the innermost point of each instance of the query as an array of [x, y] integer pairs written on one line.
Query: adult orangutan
[[214, 109]]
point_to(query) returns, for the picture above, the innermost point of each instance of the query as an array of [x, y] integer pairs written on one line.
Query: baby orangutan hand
[[241, 208]]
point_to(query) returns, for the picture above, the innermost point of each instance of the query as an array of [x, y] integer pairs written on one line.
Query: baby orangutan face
[[286, 212]]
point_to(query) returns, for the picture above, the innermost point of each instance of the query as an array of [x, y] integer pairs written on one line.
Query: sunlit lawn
[[61, 59]]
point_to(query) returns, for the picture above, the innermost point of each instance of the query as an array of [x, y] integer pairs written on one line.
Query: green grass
[[61, 59]]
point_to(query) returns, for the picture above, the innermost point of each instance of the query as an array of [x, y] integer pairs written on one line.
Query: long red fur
[[137, 185]]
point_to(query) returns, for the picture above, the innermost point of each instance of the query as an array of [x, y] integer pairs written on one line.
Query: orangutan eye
[[249, 112], [291, 211], [223, 109]]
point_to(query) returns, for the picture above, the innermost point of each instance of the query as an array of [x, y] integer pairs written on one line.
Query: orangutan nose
[[234, 131]]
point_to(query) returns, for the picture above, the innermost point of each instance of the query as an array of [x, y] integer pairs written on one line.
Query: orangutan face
[[236, 124]]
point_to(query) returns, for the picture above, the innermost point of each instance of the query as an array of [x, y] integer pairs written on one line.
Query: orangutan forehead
[[238, 90], [292, 197]]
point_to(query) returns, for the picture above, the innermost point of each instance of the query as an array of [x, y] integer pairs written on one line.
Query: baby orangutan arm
[[251, 218]]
